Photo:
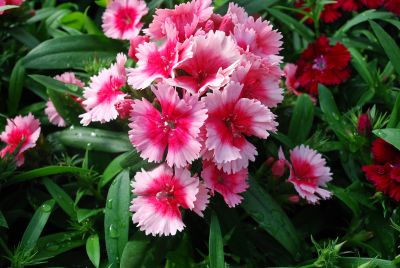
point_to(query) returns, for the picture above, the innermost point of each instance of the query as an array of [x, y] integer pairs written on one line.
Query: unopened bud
[[364, 125], [124, 108], [278, 168]]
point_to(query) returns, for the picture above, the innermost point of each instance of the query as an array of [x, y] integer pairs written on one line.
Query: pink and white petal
[[202, 200]]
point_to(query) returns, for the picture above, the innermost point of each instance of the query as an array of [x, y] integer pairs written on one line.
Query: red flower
[[385, 172], [350, 5], [324, 64], [393, 6], [372, 3]]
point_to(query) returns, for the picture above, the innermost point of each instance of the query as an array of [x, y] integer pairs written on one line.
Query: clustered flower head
[[210, 82], [331, 12], [384, 172]]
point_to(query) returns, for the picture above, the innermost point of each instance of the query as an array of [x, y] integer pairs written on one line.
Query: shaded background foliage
[[68, 206]]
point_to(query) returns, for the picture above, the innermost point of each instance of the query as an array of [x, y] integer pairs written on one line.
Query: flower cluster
[[213, 80], [384, 173], [331, 12]]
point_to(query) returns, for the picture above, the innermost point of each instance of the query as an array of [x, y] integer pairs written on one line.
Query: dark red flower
[[383, 152], [324, 64], [350, 5], [385, 172], [393, 6], [331, 12], [372, 3], [364, 125]]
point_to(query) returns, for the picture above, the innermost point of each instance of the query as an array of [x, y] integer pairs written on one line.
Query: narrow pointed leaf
[[216, 245], [61, 197], [302, 119], [93, 249]]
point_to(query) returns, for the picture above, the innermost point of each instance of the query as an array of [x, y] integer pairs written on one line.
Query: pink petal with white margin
[[258, 82], [103, 92], [231, 119], [158, 62], [186, 18], [121, 20], [177, 126], [202, 200], [160, 194], [215, 57], [308, 172], [228, 185]]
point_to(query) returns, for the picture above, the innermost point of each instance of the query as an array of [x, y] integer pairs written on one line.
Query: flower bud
[[278, 168], [364, 125], [124, 108]]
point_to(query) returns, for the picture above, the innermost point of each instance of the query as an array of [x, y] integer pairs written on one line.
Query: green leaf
[[71, 52], [52, 245], [216, 245], [7, 7], [271, 217], [302, 119], [394, 119], [361, 66], [391, 135], [113, 169], [327, 102], [36, 225], [15, 87], [24, 37], [292, 23], [61, 197], [53, 84], [93, 249], [134, 253], [360, 18], [3, 221], [388, 44], [116, 219], [364, 262], [95, 139], [46, 171], [83, 213]]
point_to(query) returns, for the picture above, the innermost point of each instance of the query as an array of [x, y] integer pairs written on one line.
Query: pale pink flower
[[219, 23], [69, 78], [202, 200], [259, 82], [186, 19], [160, 194], [231, 119], [158, 62], [255, 36], [237, 14], [177, 127], [228, 185], [121, 20], [21, 132], [53, 116], [103, 92], [51, 112], [215, 57], [2, 3], [308, 173], [291, 82]]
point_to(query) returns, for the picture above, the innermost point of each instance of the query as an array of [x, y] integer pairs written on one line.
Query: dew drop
[[114, 232], [92, 134], [45, 208], [109, 203], [52, 246]]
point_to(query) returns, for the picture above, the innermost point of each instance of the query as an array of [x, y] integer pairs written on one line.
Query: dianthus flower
[[104, 92], [21, 133], [160, 194], [384, 173], [121, 20]]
